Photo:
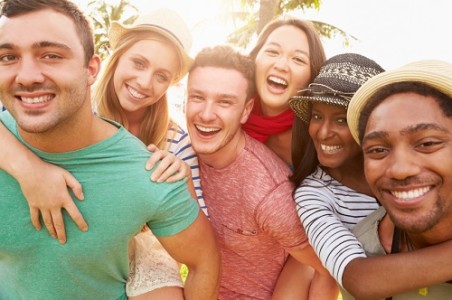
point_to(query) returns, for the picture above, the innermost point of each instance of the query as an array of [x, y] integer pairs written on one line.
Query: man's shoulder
[[7, 119], [366, 231], [265, 157]]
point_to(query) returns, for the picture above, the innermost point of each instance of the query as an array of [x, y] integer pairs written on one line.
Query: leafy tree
[[253, 15], [103, 14]]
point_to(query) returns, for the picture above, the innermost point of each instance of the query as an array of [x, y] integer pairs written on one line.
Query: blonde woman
[[146, 59]]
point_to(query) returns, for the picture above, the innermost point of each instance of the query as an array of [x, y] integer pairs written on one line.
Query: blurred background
[[392, 32]]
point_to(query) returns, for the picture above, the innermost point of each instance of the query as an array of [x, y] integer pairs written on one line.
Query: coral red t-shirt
[[253, 213]]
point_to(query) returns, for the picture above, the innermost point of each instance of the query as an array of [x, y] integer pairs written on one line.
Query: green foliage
[[102, 14]]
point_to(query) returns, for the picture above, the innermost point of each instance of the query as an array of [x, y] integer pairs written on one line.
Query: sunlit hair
[[156, 122], [12, 8], [227, 57], [316, 51]]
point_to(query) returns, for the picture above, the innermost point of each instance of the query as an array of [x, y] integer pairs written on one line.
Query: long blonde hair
[[156, 122]]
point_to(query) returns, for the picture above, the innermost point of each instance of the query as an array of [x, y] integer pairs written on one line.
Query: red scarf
[[262, 127]]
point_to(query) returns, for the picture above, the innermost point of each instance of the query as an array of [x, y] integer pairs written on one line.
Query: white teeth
[[34, 100], [135, 93], [330, 149], [407, 195], [277, 80], [207, 129]]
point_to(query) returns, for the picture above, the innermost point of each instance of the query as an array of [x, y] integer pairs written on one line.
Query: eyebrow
[[297, 50], [222, 95], [38, 45], [405, 131]]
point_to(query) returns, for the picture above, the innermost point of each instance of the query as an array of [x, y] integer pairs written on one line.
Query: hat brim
[[301, 105], [117, 30], [434, 73]]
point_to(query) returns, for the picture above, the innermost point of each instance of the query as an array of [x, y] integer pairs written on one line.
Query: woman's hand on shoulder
[[45, 186], [170, 169]]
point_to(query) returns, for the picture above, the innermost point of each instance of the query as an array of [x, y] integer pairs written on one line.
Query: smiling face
[[282, 68], [216, 108], [334, 144], [144, 74], [408, 161], [44, 81]]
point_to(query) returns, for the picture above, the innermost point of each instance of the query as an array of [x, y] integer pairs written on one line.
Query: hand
[[47, 193], [170, 169]]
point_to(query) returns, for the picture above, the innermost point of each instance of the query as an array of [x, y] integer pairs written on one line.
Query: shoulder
[[261, 157], [7, 119], [366, 231]]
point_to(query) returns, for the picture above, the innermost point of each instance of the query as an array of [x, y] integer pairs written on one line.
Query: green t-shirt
[[119, 199]]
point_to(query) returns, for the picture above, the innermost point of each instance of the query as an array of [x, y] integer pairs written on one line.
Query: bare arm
[[44, 185], [397, 273], [323, 285], [197, 247], [294, 281]]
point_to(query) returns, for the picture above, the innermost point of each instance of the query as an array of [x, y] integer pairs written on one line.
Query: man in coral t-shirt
[[245, 184]]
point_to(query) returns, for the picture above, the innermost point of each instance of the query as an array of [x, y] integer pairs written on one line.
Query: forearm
[[397, 273], [15, 158], [201, 283]]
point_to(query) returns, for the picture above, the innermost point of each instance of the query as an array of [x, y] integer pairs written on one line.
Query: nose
[[207, 112], [29, 72], [281, 63], [325, 130], [144, 79], [402, 164]]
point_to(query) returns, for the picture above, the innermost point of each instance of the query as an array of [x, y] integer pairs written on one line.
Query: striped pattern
[[180, 145], [329, 211]]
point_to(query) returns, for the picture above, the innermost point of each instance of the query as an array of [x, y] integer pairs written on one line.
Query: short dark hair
[[225, 56], [12, 8], [444, 101]]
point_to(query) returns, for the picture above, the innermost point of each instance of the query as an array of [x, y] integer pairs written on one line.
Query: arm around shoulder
[[398, 273], [44, 185]]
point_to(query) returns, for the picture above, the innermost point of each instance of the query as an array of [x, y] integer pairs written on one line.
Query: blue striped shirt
[[180, 145]]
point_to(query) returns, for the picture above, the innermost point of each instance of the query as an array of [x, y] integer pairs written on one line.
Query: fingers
[[155, 157], [170, 168], [183, 172], [167, 167], [74, 185], [76, 216], [58, 224], [34, 215], [47, 218]]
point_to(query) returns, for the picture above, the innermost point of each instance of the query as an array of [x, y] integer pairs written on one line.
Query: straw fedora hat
[[165, 22], [434, 73], [338, 80]]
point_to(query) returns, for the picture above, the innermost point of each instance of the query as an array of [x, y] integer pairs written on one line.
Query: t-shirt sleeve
[[277, 216], [176, 211], [335, 245]]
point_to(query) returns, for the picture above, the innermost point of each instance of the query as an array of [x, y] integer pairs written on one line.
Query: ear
[[247, 110], [94, 65]]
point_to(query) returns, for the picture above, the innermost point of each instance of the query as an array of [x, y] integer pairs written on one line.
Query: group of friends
[[299, 177]]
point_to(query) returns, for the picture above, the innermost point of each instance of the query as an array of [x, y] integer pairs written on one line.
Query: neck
[[79, 131], [281, 145], [351, 174], [227, 154], [134, 120]]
